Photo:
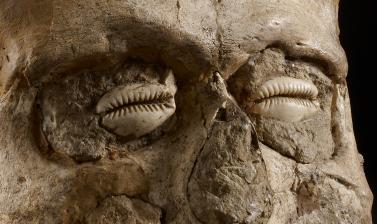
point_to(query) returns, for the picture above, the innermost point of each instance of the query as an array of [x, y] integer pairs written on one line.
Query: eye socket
[[84, 115], [289, 102], [137, 109], [273, 86]]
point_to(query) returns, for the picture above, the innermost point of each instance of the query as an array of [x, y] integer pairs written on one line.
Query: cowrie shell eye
[[136, 109], [287, 99]]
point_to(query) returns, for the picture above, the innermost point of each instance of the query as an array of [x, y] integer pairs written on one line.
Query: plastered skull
[[176, 112]]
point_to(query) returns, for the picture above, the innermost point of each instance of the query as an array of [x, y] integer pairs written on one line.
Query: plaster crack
[[208, 128], [338, 125], [284, 155], [209, 134], [178, 4], [219, 34]]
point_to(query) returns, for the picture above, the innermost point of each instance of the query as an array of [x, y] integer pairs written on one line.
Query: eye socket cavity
[[137, 109], [285, 98]]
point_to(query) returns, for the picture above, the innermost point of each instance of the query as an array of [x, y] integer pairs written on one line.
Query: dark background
[[358, 23]]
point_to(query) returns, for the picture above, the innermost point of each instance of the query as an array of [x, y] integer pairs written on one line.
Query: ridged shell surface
[[137, 109], [287, 86], [287, 99]]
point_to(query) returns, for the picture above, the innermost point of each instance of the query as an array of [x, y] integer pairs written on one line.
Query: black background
[[358, 23]]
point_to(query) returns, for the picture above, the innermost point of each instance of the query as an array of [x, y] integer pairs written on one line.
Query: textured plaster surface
[[214, 160]]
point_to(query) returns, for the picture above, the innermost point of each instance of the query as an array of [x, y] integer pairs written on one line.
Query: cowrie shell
[[287, 99], [286, 109], [136, 109], [287, 86]]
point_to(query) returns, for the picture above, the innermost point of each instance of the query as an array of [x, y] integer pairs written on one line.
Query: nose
[[223, 183]]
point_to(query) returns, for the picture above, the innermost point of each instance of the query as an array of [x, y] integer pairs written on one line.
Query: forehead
[[197, 34]]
